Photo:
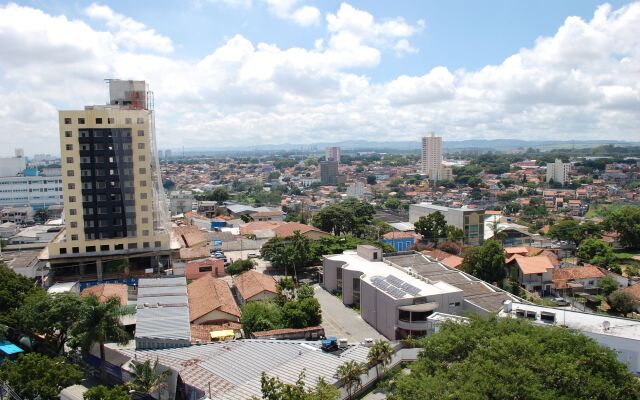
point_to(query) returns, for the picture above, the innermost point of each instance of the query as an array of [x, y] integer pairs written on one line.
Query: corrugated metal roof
[[163, 323]]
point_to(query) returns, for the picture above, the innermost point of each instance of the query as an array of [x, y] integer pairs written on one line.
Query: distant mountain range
[[408, 146]]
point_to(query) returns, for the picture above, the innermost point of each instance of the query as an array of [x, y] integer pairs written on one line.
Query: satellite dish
[[606, 325]]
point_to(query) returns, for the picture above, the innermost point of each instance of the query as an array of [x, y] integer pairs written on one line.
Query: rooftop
[[233, 369], [250, 283], [208, 294], [534, 265], [376, 272]]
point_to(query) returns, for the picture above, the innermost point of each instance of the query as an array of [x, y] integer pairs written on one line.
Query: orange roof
[[534, 265], [289, 228], [452, 261], [254, 226], [194, 253], [108, 290], [285, 331], [399, 235], [436, 254], [634, 290], [209, 294], [573, 273], [267, 214], [189, 236], [516, 250], [492, 212], [251, 283]]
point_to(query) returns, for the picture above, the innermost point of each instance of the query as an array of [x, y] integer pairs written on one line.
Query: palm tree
[[498, 234], [349, 374], [147, 378], [380, 354], [99, 323]]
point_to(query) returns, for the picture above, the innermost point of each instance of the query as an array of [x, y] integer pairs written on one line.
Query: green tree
[[497, 231], [305, 291], [504, 358], [350, 216], [626, 221], [99, 322], [350, 375], [432, 227], [485, 262], [101, 392], [573, 231], [512, 208], [262, 315], [392, 203], [301, 313], [597, 252], [608, 285], [380, 355], [148, 378], [14, 288], [371, 180], [50, 316], [621, 302], [454, 234], [239, 266], [40, 215], [34, 375]]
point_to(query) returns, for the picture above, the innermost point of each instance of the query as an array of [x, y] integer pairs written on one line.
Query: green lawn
[[598, 210]]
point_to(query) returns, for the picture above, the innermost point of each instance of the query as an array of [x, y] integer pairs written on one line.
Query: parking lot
[[342, 321]]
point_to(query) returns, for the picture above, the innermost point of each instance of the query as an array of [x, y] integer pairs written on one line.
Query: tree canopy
[[274, 389], [572, 230], [262, 315], [14, 288], [101, 392], [626, 221], [348, 217], [503, 358], [597, 252], [485, 262], [432, 227], [35, 375]]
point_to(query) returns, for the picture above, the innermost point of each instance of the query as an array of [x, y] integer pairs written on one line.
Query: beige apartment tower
[[113, 197], [432, 156]]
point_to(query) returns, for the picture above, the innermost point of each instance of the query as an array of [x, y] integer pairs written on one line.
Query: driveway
[[341, 321]]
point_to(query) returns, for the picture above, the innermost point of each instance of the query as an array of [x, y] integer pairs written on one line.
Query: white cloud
[[288, 9], [581, 82], [403, 47], [129, 33]]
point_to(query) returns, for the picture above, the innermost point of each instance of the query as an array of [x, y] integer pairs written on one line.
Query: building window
[[132, 246], [118, 247], [67, 133], [72, 199], [140, 120], [140, 146], [142, 170], [73, 224], [145, 220], [69, 160], [67, 121], [74, 237], [140, 133], [80, 121], [72, 211], [75, 250], [111, 120], [143, 196], [205, 269], [145, 245], [145, 232], [68, 147], [90, 249], [127, 121], [71, 186], [143, 183], [104, 247], [63, 250], [144, 207], [157, 243], [98, 120], [70, 173]]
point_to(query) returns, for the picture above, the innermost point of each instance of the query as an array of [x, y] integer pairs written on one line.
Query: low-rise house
[[196, 269], [535, 274], [584, 279], [106, 291], [252, 285], [634, 291], [211, 302], [401, 241]]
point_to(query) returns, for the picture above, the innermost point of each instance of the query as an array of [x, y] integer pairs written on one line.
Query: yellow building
[[113, 198]]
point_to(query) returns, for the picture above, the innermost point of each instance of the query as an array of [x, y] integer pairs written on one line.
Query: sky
[[248, 72]]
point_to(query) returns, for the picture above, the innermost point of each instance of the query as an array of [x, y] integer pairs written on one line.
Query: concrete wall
[[330, 268], [348, 276]]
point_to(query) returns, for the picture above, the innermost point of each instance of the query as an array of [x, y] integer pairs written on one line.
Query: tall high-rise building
[[113, 197], [329, 172], [332, 154], [432, 156], [558, 172]]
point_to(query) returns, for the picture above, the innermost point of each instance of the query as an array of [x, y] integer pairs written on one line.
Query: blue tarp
[[8, 348]]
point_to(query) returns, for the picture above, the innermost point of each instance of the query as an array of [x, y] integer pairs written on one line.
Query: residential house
[[401, 241], [583, 279], [106, 291], [252, 285], [211, 301], [210, 266], [535, 273]]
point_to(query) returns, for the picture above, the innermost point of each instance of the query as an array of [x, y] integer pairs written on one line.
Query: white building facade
[[432, 156], [34, 191], [558, 171]]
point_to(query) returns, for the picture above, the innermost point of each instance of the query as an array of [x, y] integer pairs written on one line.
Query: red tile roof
[[534, 265], [251, 283], [208, 294], [108, 290]]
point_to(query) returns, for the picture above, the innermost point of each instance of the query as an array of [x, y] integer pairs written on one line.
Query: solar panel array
[[394, 286]]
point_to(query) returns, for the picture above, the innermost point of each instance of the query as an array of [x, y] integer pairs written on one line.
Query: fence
[[6, 392]]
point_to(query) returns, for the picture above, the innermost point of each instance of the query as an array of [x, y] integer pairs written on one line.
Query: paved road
[[341, 321]]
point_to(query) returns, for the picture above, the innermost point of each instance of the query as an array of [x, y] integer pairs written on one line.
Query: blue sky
[[413, 61]]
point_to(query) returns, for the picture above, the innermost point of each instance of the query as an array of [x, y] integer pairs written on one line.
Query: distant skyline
[[256, 72]]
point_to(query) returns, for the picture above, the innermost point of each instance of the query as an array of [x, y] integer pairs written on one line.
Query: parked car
[[561, 301], [253, 255]]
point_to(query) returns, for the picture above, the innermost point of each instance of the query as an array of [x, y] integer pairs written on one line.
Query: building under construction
[[116, 219]]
